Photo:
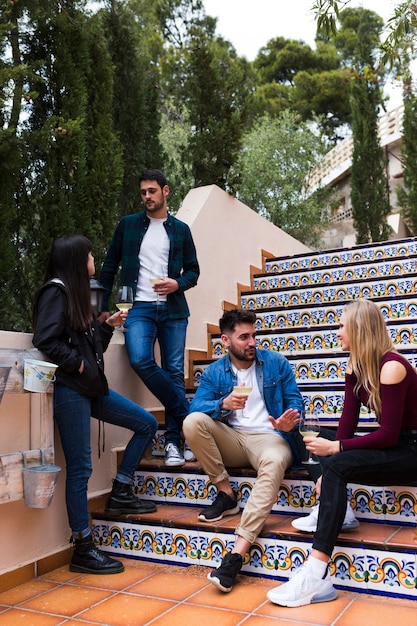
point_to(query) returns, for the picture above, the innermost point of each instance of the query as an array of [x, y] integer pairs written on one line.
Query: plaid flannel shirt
[[124, 252]]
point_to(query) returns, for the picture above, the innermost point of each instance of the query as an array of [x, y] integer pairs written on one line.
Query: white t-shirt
[[153, 259], [255, 414]]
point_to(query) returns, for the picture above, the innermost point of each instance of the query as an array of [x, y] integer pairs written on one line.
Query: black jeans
[[392, 466]]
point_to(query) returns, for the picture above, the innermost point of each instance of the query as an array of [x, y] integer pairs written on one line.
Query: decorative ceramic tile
[[348, 568], [329, 258], [363, 271], [401, 504], [392, 573], [382, 288], [313, 317]]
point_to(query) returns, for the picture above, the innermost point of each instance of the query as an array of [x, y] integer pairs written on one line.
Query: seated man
[[226, 428]]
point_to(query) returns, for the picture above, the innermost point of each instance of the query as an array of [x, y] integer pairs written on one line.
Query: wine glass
[[309, 426], [242, 390], [124, 301], [158, 272]]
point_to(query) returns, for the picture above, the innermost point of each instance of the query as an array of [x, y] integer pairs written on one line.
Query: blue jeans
[[147, 322], [392, 466], [72, 412]]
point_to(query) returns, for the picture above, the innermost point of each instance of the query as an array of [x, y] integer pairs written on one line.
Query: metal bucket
[[39, 483], [38, 375]]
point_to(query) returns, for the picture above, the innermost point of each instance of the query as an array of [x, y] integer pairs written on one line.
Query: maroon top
[[399, 410]]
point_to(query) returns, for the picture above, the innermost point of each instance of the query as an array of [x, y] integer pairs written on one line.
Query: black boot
[[86, 558], [122, 500]]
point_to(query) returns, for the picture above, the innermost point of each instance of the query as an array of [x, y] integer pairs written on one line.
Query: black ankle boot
[[122, 500], [86, 558]]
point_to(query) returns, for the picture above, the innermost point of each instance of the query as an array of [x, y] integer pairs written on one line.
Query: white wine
[[309, 433], [155, 280], [243, 391], [124, 306]]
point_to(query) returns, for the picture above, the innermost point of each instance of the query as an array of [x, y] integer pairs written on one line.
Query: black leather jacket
[[67, 347]]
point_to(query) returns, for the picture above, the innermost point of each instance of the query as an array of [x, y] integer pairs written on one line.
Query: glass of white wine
[[309, 426], [124, 301], [157, 274], [242, 390]]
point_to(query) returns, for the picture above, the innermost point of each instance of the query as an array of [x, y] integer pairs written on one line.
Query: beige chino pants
[[218, 446]]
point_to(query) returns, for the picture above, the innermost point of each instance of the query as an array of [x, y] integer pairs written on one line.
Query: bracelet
[[340, 446]]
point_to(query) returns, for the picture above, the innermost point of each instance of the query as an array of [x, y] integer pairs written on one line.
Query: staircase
[[298, 301]]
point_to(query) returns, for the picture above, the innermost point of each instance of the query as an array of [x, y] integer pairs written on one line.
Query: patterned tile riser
[[358, 569], [394, 505], [331, 258], [288, 341], [327, 315], [321, 277], [313, 369], [329, 294]]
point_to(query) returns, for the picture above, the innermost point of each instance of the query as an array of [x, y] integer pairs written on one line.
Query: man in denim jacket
[[230, 429]]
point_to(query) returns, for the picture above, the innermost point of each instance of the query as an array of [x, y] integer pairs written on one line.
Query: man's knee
[[192, 423]]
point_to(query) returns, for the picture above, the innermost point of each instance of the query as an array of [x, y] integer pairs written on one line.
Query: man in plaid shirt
[[158, 260]]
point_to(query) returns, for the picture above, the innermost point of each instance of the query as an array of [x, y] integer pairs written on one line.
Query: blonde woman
[[384, 381]]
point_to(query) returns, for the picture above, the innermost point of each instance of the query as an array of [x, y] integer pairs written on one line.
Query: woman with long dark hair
[[380, 378], [66, 331]]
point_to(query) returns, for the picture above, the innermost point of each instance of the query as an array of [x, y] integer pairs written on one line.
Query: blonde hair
[[369, 341]]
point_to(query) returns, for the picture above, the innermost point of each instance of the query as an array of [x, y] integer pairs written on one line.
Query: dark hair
[[68, 261], [154, 175], [230, 319]]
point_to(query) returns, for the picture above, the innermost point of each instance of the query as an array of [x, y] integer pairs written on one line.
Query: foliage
[[407, 195], [273, 175], [369, 186]]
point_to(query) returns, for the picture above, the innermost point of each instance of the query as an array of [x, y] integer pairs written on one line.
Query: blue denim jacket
[[276, 382]]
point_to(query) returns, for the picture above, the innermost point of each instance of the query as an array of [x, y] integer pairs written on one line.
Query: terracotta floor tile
[[24, 592], [187, 614], [116, 582], [371, 612], [246, 596], [127, 610], [405, 536], [13, 617], [66, 600], [169, 585], [61, 575]]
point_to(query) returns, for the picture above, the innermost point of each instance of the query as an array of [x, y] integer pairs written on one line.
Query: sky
[[250, 24]]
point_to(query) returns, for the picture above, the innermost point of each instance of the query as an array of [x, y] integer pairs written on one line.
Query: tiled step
[[321, 339], [310, 316], [324, 294], [333, 275], [378, 557], [341, 256]]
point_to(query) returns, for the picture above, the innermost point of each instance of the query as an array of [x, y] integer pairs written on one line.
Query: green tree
[[213, 84], [274, 175], [359, 35], [407, 194]]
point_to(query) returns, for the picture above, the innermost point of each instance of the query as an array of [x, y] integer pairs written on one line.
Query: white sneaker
[[308, 524], [303, 589], [173, 457], [188, 453]]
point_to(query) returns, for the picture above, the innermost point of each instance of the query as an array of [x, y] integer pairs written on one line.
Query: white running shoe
[[303, 589], [173, 457], [308, 524], [188, 453]]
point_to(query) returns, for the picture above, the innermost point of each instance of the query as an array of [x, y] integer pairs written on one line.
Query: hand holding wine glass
[[124, 300], [242, 390], [158, 273], [309, 426]]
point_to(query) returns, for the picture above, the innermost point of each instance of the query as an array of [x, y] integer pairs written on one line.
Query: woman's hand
[[287, 421], [117, 319], [321, 446]]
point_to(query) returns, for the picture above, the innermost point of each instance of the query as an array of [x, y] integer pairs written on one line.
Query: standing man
[[156, 245], [227, 429]]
